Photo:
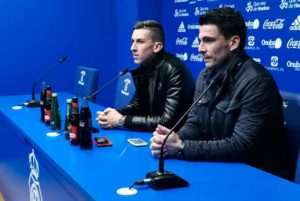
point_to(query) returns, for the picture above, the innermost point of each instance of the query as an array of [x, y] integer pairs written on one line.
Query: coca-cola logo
[[182, 41], [293, 44], [276, 24]]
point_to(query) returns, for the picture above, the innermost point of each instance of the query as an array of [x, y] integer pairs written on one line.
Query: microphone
[[163, 179], [36, 103], [108, 83], [96, 130]]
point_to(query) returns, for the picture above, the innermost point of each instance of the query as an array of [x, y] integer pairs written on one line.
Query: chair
[[291, 105], [86, 81], [125, 90]]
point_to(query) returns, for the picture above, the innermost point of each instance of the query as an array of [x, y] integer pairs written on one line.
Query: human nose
[[201, 48], [133, 47]]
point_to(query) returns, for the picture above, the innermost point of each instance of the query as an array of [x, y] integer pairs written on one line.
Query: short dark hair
[[157, 32], [229, 21]]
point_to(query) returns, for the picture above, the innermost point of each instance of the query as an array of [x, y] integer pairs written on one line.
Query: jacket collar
[[150, 66]]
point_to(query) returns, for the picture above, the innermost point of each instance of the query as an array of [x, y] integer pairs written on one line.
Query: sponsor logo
[[125, 90], [293, 64], [227, 5], [252, 24], [181, 28], [289, 4], [193, 26], [33, 180], [272, 43], [81, 79], [251, 41], [181, 1], [295, 26], [200, 10], [181, 13], [182, 56], [293, 44], [258, 60], [257, 6], [251, 44], [182, 41], [195, 43], [276, 24], [274, 61], [196, 57]]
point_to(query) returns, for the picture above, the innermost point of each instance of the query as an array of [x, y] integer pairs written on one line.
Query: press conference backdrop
[[273, 34]]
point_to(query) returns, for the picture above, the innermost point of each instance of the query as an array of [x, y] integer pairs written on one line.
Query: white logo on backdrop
[[252, 24], [33, 181], [181, 13], [181, 27], [272, 43], [257, 6], [258, 60], [274, 61], [195, 43], [293, 44], [181, 41], [196, 57], [227, 5], [276, 24], [293, 64], [251, 41], [81, 80], [182, 56], [125, 91], [285, 4], [295, 26], [181, 1], [200, 10], [193, 26]]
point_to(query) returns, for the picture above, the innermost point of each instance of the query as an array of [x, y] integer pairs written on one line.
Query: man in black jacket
[[164, 87], [240, 116]]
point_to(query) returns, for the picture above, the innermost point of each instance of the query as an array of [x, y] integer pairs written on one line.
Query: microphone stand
[[36, 103], [163, 179], [108, 83], [96, 130]]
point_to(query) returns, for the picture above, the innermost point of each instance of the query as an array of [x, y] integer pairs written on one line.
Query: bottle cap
[[54, 94], [69, 100]]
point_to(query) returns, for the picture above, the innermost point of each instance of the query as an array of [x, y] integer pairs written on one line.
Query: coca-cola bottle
[[85, 126], [42, 101], [55, 113], [67, 119], [47, 107], [74, 121]]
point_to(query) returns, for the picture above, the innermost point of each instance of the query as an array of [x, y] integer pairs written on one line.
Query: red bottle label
[[73, 133]]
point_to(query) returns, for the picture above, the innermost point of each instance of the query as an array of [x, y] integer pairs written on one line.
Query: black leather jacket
[[164, 91], [240, 118]]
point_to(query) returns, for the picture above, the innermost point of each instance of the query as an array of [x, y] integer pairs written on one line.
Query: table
[[68, 173]]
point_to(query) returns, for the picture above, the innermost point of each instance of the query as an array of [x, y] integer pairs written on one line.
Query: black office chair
[[291, 104], [86, 81]]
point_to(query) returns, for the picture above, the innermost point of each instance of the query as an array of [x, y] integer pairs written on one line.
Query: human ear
[[158, 46], [234, 42]]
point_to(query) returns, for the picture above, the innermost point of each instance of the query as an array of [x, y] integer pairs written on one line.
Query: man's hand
[[109, 118], [172, 145]]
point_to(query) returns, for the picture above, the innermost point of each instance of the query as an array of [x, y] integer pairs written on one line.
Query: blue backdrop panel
[[273, 34]]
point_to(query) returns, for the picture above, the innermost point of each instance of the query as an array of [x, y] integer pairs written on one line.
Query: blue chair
[[125, 90], [86, 81], [291, 105]]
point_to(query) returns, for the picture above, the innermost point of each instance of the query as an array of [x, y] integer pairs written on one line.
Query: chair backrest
[[125, 90], [86, 80], [291, 105]]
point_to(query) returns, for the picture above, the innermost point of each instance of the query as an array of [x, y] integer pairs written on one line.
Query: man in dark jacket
[[164, 87], [239, 117]]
